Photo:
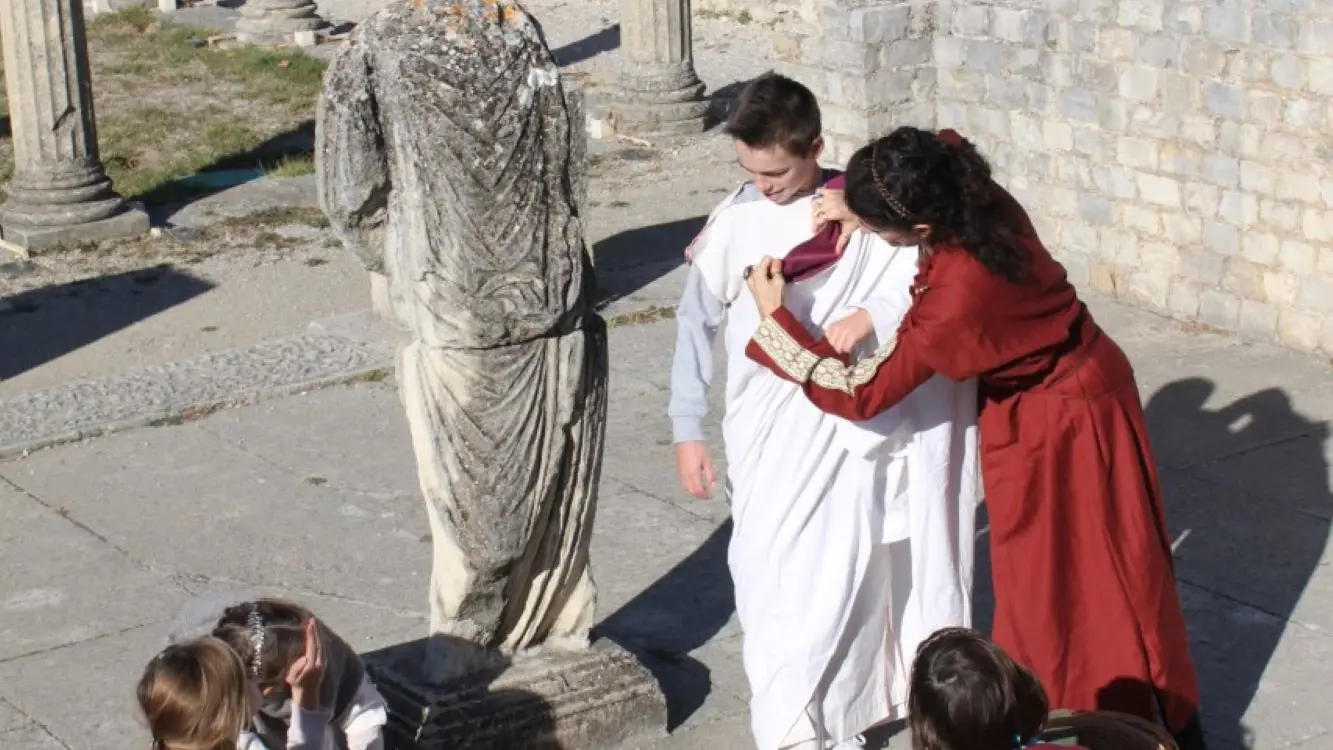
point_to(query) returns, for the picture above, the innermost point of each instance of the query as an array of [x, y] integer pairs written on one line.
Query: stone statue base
[[131, 222], [594, 699]]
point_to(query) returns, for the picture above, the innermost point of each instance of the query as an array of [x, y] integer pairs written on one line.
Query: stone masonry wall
[[1177, 154], [870, 63]]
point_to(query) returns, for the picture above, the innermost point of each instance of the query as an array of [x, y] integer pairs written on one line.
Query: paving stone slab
[[179, 499], [62, 584], [29, 737], [165, 392], [364, 446], [1261, 677], [10, 717], [1259, 550], [662, 574]]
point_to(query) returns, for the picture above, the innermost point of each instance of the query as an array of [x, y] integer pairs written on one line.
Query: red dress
[[1083, 574]]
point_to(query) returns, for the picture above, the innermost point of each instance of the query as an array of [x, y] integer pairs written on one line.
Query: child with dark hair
[[196, 695], [267, 635], [968, 694]]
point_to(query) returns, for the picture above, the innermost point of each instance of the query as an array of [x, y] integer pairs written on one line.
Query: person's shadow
[[680, 612], [1249, 506]]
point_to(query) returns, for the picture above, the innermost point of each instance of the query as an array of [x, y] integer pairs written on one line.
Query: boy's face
[[779, 175]]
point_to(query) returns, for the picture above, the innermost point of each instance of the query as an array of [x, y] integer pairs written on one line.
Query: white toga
[[852, 541]]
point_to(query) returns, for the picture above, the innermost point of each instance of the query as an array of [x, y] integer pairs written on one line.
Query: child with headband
[[195, 695], [267, 636]]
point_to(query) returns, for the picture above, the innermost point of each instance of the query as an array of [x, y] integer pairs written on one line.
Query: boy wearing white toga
[[852, 542]]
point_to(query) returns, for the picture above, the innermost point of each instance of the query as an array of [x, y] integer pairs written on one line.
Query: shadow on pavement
[[679, 613], [1248, 501], [44, 324], [629, 261]]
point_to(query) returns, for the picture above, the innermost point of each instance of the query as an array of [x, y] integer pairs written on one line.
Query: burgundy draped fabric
[[819, 252]]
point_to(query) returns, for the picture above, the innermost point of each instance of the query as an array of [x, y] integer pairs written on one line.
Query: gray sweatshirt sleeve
[[307, 729], [697, 319]]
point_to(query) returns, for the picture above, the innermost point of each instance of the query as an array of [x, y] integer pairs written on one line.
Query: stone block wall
[[1177, 154], [870, 63]]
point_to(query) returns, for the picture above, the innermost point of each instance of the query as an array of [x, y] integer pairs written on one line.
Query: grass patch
[[276, 217], [372, 376], [170, 105], [292, 166], [642, 317]]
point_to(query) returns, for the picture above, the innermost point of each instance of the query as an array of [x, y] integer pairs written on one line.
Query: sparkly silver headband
[[884, 193], [255, 622]]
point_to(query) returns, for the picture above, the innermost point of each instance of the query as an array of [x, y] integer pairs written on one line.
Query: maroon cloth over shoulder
[[819, 252]]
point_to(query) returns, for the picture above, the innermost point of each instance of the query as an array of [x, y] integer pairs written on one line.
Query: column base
[[594, 699], [131, 222], [669, 102], [277, 21]]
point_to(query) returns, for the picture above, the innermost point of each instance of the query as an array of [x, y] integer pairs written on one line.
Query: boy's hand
[[695, 469]]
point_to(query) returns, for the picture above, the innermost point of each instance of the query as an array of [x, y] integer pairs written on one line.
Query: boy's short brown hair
[[774, 110]]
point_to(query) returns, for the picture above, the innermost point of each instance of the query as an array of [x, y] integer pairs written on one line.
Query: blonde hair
[[193, 696]]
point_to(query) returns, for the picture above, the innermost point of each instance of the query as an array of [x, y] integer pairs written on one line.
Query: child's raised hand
[[306, 674]]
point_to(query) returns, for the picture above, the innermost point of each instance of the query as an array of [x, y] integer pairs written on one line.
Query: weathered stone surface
[[658, 93], [162, 393], [59, 191], [1180, 108], [595, 699], [444, 153], [132, 221], [277, 21]]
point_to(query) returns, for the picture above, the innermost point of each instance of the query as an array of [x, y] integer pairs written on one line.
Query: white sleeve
[[307, 729], [713, 259], [365, 719]]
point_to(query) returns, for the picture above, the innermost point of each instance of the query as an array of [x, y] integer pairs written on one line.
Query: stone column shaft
[[59, 191], [660, 92]]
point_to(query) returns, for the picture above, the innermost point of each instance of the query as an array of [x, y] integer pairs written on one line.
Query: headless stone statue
[[447, 162]]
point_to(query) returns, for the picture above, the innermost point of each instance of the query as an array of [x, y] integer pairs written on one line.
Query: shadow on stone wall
[[681, 612], [628, 261], [1248, 501], [44, 324]]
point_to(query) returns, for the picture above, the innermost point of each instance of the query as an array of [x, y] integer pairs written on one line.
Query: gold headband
[[884, 193]]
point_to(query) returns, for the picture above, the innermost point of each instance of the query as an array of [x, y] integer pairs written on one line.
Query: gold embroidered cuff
[[795, 361], [803, 366]]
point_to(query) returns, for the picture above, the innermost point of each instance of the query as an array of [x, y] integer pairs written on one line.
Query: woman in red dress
[[1083, 574]]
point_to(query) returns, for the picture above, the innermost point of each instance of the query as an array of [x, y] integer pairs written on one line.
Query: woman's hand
[[766, 284], [306, 674], [831, 206], [845, 334]]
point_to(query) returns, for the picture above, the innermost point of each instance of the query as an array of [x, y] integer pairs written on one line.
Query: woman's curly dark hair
[[947, 187]]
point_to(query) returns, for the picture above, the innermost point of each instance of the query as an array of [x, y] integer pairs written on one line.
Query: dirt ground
[[173, 101]]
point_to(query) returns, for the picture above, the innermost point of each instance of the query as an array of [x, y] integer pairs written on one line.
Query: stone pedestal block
[[658, 94], [59, 192], [595, 699], [277, 21]]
